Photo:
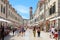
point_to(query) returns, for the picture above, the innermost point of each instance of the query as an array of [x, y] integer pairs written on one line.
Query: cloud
[[24, 17], [22, 9]]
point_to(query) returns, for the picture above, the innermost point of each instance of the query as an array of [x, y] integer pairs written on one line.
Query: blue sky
[[22, 6]]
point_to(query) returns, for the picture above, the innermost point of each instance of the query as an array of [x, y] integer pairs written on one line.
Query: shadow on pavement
[[8, 37]]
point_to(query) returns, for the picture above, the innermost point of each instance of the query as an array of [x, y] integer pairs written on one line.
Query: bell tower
[[30, 13]]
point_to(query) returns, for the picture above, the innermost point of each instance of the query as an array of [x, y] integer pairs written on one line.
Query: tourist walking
[[13, 31], [53, 30], [50, 33], [34, 31], [56, 34], [38, 31], [23, 31], [2, 32]]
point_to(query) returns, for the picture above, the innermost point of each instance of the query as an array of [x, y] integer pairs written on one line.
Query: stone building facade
[[8, 15]]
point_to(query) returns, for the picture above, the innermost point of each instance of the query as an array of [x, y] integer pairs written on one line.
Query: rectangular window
[[1, 8], [50, 11], [8, 13], [42, 7], [32, 17], [2, 0], [4, 10], [54, 8], [48, 0], [35, 20]]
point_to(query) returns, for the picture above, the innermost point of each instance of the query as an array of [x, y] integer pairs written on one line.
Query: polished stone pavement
[[28, 36]]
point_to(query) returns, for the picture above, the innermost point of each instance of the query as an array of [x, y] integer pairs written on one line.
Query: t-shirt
[[56, 33], [38, 30], [52, 29]]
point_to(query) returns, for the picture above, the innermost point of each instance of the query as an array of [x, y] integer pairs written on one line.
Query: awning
[[3, 20]]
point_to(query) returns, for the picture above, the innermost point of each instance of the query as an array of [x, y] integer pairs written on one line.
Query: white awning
[[3, 20], [55, 18]]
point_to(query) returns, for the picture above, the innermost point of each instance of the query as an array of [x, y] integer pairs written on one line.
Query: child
[[56, 34], [34, 31]]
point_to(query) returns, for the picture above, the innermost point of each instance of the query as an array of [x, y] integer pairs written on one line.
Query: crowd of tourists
[[54, 33], [22, 30]]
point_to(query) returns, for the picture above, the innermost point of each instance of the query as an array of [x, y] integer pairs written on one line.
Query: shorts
[[55, 35]]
